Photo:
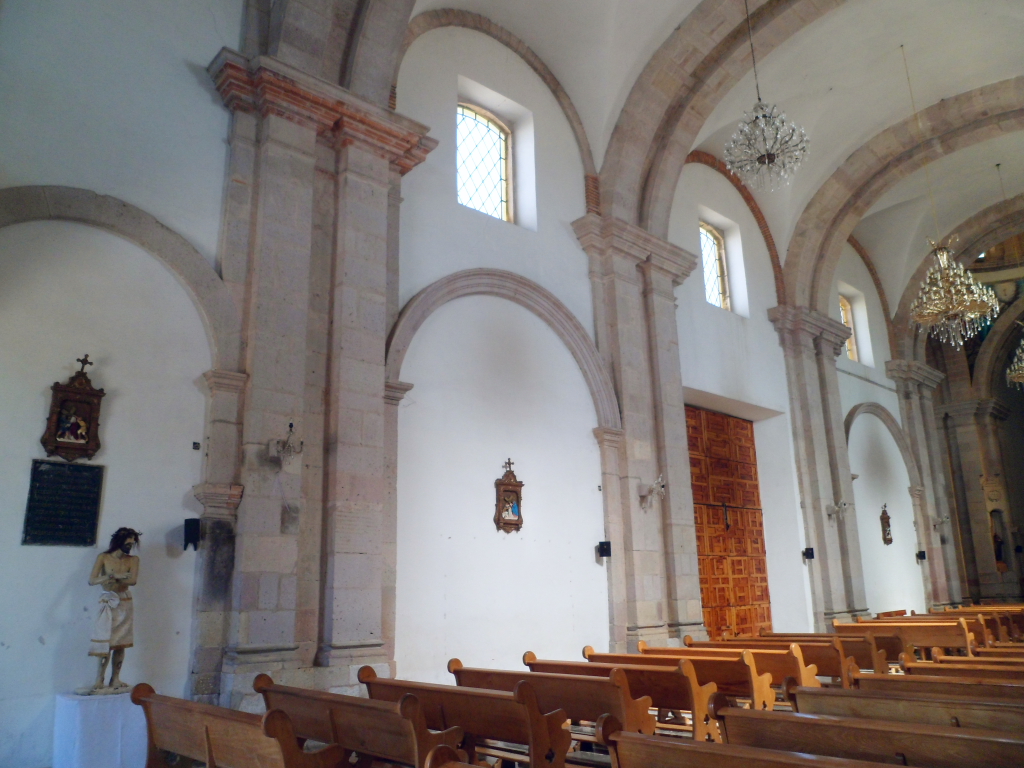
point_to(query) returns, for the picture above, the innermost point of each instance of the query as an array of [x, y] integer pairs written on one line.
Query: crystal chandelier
[[952, 306], [766, 149], [1015, 373]]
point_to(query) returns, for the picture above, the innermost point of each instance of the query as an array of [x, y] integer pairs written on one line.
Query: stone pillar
[[633, 273], [915, 383], [810, 342], [990, 416], [357, 626], [314, 307], [661, 277], [610, 443], [220, 494]]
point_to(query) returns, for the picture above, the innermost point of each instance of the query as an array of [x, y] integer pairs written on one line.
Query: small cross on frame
[[84, 361], [507, 466]]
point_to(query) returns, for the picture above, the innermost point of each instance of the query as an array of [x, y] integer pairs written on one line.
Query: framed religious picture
[[508, 508], [73, 426]]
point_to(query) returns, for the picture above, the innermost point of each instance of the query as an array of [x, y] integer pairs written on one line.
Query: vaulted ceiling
[[841, 76]]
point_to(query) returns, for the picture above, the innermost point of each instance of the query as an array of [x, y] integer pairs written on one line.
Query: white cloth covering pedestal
[[98, 732]]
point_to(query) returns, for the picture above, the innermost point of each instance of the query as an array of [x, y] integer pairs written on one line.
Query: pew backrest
[[955, 687], [1001, 672], [780, 663], [923, 708], [513, 716], [394, 732], [826, 657], [873, 740], [223, 738], [915, 634], [584, 698], [631, 750], [674, 688]]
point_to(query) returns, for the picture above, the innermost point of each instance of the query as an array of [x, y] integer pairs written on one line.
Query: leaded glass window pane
[[712, 252], [846, 313], [482, 163]]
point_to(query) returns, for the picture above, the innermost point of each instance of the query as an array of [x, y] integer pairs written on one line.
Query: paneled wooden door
[[730, 527]]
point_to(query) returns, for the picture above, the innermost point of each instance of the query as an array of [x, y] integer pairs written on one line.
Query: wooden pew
[[632, 750], [223, 738], [874, 740], [922, 635], [1002, 673], [781, 663], [672, 688], [865, 648], [394, 732], [953, 687], [924, 708], [888, 614], [976, 623], [483, 715], [1000, 653], [826, 656], [584, 698], [730, 673], [941, 658]]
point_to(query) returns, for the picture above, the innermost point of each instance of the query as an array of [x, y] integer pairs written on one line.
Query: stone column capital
[[803, 328], [962, 412], [611, 236], [230, 382], [609, 438], [992, 408], [914, 372], [267, 86], [219, 500], [394, 391]]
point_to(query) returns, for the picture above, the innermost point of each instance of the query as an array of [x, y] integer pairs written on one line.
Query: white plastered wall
[[66, 290], [739, 359], [113, 96], [860, 383], [439, 236], [492, 381], [893, 579]]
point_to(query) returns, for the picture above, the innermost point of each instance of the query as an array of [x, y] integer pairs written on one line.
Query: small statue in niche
[[116, 570], [508, 512], [886, 530]]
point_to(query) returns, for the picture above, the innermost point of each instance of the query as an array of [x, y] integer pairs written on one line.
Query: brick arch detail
[[527, 294], [701, 61], [212, 299], [452, 17], [709, 160], [988, 227], [893, 154], [902, 442]]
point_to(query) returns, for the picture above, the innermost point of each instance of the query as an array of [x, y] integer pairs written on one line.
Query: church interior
[[384, 354]]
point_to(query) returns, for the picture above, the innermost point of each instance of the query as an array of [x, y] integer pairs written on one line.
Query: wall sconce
[[604, 549], [835, 511], [193, 532], [921, 556], [647, 494], [283, 449], [808, 553]]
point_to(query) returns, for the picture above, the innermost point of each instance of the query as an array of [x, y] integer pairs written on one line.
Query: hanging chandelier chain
[[753, 58], [920, 127]]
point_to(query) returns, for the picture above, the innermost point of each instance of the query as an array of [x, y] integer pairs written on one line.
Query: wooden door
[[730, 528]]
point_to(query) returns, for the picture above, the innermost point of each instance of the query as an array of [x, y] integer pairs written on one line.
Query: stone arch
[[978, 233], [704, 158], [530, 296], [451, 17], [999, 344], [902, 442], [211, 297], [941, 129], [703, 58]]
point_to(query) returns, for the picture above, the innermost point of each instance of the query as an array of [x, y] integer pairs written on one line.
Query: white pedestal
[[98, 732]]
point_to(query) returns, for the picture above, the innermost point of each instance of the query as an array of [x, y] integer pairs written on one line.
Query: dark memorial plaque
[[63, 504]]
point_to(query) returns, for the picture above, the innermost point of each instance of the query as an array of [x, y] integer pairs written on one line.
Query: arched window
[[846, 313], [483, 162], [712, 252]]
